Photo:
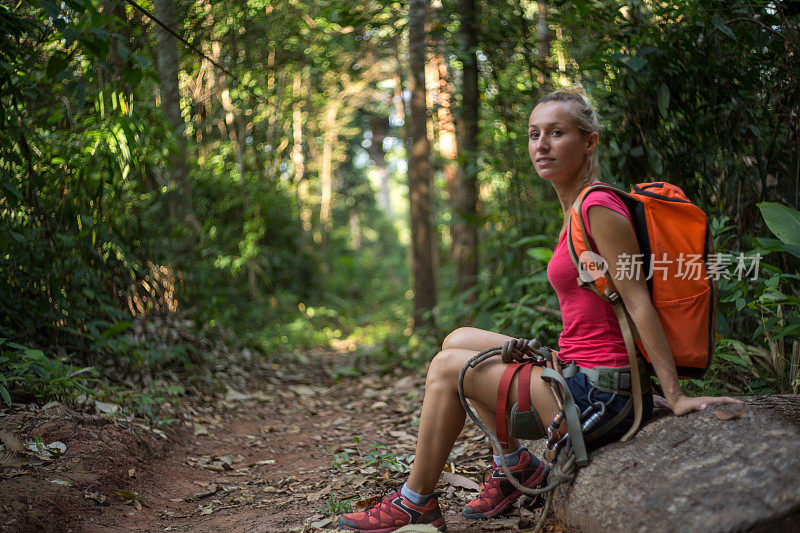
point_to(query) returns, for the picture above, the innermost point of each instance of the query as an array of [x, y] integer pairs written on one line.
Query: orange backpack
[[675, 241]]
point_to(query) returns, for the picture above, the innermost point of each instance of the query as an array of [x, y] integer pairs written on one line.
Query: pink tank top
[[591, 335]]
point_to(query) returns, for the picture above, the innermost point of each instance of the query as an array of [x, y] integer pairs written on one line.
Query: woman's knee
[[444, 366], [458, 338]]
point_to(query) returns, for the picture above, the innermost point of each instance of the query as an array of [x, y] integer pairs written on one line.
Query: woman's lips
[[545, 161]]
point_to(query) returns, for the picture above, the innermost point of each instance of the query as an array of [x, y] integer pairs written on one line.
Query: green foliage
[[34, 373], [757, 323], [335, 507], [703, 94], [89, 245], [699, 93], [72, 216], [784, 223], [381, 457]]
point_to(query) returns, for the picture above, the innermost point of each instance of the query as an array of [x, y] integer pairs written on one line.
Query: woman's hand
[[683, 405]]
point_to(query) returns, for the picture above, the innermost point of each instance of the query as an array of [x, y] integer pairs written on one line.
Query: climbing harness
[[566, 453]]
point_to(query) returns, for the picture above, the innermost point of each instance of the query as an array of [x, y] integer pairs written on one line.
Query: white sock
[[413, 497]]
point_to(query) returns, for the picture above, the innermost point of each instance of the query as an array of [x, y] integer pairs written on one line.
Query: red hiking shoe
[[394, 512], [498, 494]]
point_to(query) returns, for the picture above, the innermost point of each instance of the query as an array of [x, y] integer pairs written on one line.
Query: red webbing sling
[[523, 396]]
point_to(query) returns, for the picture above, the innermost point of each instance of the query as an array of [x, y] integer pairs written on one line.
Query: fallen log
[[706, 471]]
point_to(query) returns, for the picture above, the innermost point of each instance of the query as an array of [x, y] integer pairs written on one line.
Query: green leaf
[[732, 358], [70, 35], [49, 7], [663, 99], [793, 249], [13, 190], [720, 25], [791, 331], [635, 63], [114, 329], [100, 33], [87, 221], [81, 371], [56, 65], [36, 355], [540, 254], [123, 51], [654, 158], [782, 221], [6, 396], [768, 243]]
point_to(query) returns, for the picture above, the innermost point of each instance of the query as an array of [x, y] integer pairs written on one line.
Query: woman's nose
[[542, 144]]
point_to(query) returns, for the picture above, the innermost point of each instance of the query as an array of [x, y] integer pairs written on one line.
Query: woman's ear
[[591, 142]]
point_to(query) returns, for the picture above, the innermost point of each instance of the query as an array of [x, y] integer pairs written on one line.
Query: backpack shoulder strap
[[592, 273], [590, 266]]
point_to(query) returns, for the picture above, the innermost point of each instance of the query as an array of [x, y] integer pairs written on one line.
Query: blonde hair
[[582, 111]]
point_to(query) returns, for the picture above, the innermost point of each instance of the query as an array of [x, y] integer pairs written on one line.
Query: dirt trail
[[285, 455]]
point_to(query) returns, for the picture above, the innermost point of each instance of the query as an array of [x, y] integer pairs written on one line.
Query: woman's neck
[[568, 191]]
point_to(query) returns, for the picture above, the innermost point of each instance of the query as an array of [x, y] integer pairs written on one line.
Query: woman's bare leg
[[443, 415]]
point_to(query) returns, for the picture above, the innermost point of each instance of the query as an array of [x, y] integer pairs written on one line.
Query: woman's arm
[[614, 236]]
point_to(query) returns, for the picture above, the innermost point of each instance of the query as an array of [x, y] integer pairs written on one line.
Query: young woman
[[562, 139]]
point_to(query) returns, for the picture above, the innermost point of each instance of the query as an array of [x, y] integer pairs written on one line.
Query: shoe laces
[[490, 470], [380, 501]]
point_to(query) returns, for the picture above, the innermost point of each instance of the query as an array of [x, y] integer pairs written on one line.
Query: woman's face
[[557, 147]]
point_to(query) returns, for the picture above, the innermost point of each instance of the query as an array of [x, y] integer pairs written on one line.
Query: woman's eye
[[556, 133], [534, 135]]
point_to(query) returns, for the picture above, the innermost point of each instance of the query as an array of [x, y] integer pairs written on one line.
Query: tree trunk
[[379, 126], [431, 92], [465, 238], [419, 171], [448, 147], [180, 200], [543, 31], [695, 473], [298, 157], [326, 172]]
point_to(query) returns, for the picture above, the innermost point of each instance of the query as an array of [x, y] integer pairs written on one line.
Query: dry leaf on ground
[[316, 496], [457, 480], [366, 502], [131, 498], [417, 528], [11, 441], [13, 458], [210, 491], [95, 496]]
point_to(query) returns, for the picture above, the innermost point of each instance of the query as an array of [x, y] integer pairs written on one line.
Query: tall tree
[[447, 146], [465, 238], [379, 126], [298, 156], [419, 171], [330, 137], [181, 199], [544, 44]]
